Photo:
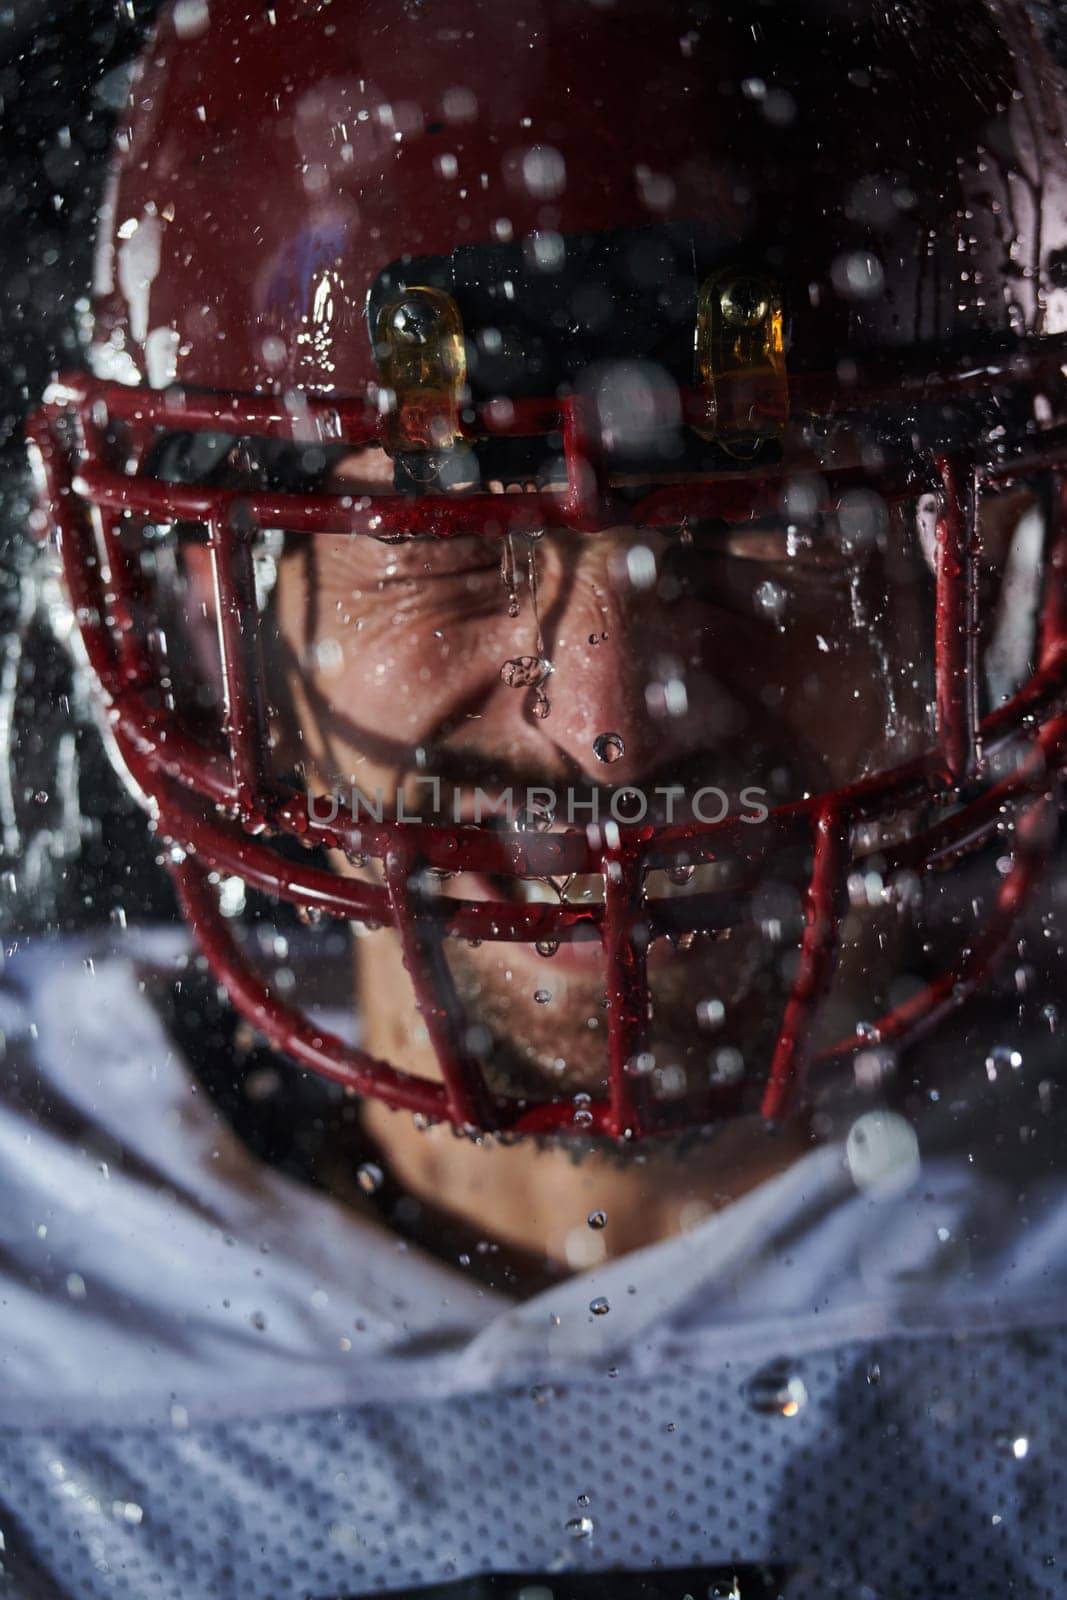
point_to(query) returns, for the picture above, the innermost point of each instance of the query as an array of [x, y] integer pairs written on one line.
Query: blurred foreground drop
[[776, 1391]]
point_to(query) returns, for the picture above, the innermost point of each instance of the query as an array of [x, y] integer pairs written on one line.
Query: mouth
[[546, 1004], [684, 906], [587, 888]]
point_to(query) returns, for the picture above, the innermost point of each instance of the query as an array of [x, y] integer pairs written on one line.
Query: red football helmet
[[825, 244]]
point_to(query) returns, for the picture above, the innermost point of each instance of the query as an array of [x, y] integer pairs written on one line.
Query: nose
[[619, 707]]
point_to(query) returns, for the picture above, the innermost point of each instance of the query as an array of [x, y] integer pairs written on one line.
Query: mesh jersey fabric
[[215, 1381], [902, 1474]]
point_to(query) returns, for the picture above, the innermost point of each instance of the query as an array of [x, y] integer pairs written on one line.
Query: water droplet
[[727, 1066], [537, 818], [641, 567], [507, 575], [775, 1391], [1001, 1060], [667, 696], [525, 672], [680, 875], [583, 1500], [669, 1081], [583, 1117], [544, 171], [881, 1147], [542, 996], [542, 705], [599, 1307], [580, 1527], [710, 1013], [546, 947], [369, 1177], [597, 1219], [608, 747], [770, 600], [858, 275], [640, 1065]]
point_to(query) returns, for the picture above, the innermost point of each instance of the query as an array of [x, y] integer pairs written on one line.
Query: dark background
[[64, 71]]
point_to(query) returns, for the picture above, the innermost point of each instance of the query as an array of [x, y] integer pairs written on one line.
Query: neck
[[533, 1200], [536, 1201]]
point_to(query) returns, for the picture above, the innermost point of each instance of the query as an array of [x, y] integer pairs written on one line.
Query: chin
[[557, 1046]]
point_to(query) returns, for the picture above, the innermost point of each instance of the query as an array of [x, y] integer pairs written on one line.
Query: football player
[[563, 510]]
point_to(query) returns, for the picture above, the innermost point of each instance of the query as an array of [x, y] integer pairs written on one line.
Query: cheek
[[393, 671], [842, 676], [857, 684]]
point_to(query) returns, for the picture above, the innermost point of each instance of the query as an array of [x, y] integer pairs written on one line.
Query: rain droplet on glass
[[608, 747], [710, 1013], [370, 1177], [580, 1527], [525, 672], [776, 1391]]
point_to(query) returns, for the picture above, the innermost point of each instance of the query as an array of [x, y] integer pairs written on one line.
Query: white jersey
[[216, 1381]]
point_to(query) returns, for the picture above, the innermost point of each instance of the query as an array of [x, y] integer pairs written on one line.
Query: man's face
[[764, 662]]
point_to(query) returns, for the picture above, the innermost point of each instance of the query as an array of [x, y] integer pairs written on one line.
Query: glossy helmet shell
[[271, 169], [899, 171]]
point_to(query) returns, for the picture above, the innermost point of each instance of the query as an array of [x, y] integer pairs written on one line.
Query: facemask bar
[[217, 806]]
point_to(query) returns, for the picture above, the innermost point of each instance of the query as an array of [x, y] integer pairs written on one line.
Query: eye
[[814, 549], [446, 558], [365, 562], [822, 546], [735, 568]]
